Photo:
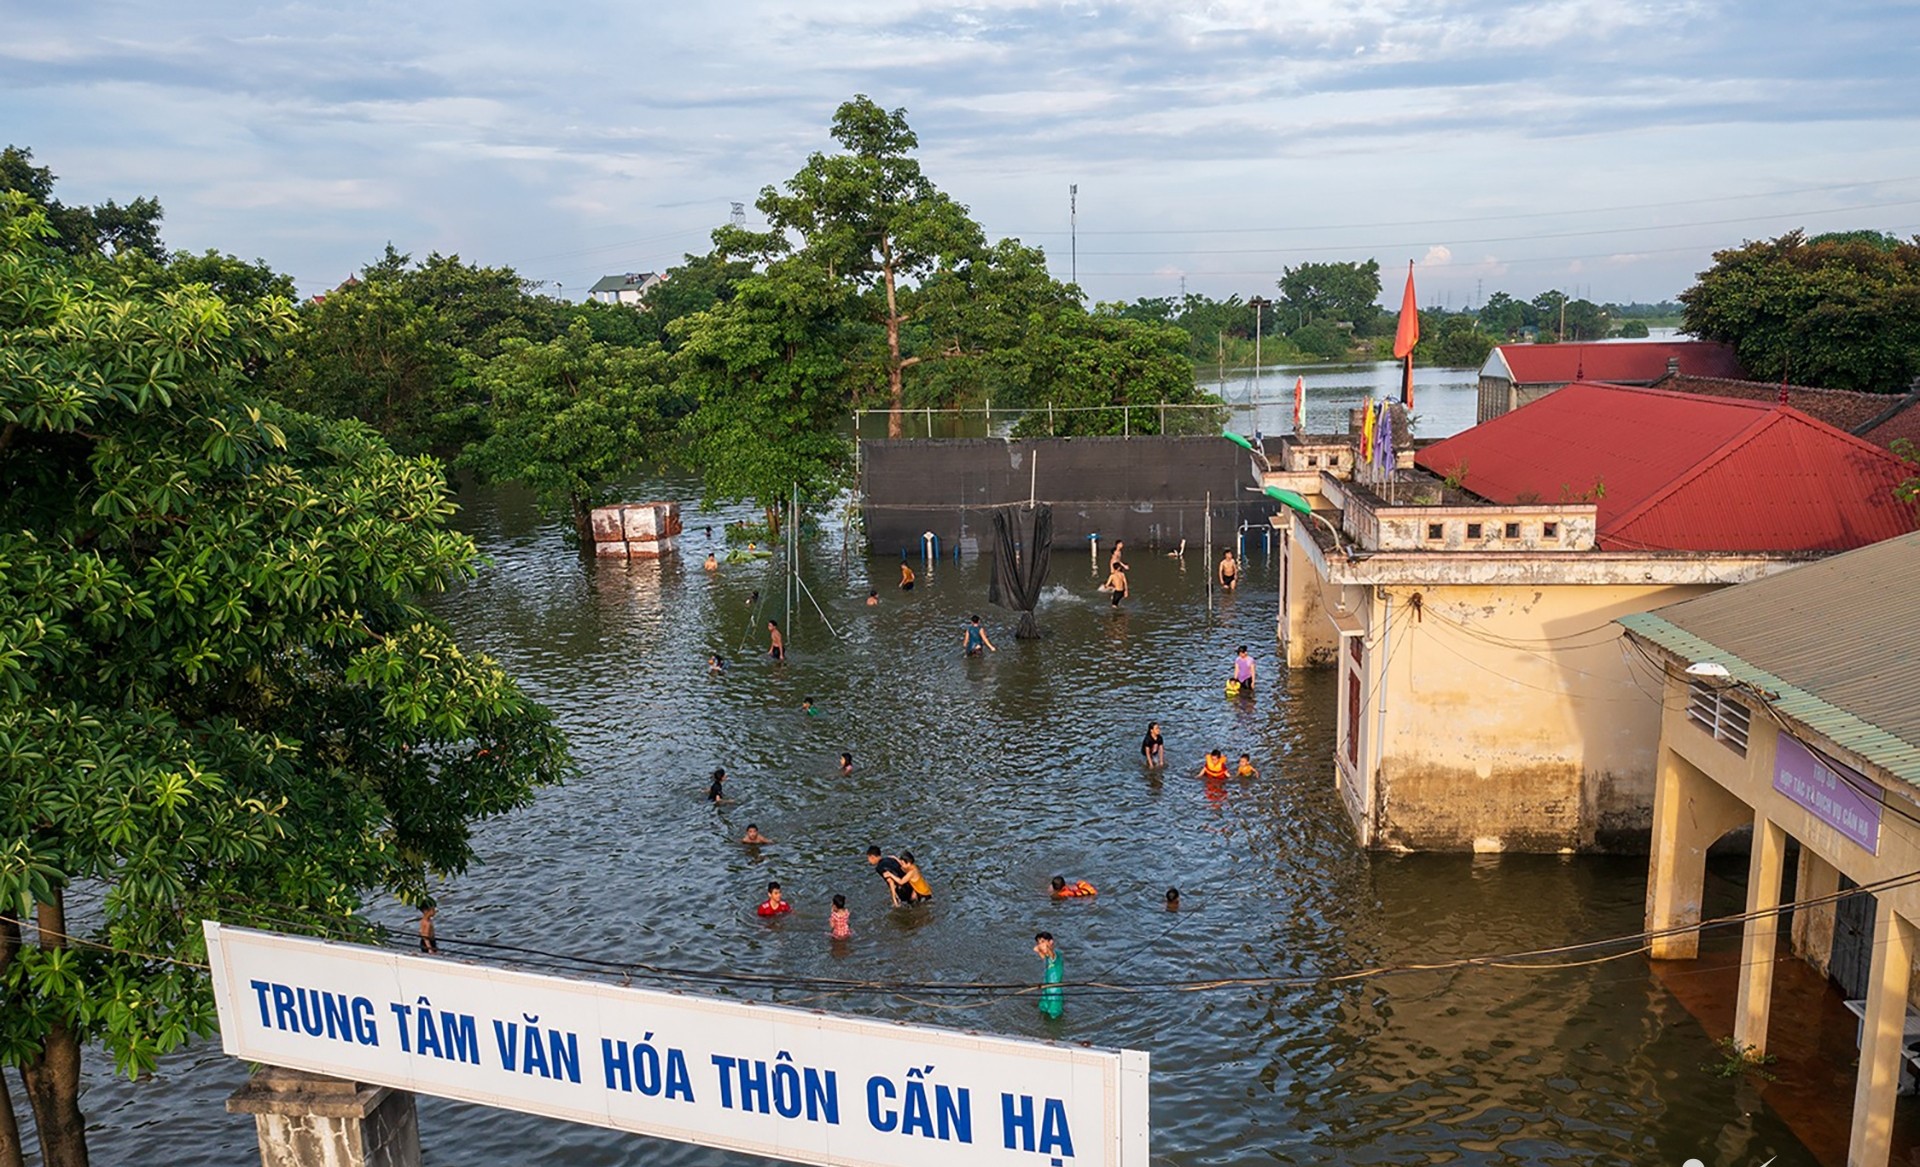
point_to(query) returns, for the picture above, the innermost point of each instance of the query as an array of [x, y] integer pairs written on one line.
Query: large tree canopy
[[219, 693], [1332, 292], [1840, 311]]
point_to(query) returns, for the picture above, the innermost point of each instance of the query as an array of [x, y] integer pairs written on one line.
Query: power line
[[1492, 218]]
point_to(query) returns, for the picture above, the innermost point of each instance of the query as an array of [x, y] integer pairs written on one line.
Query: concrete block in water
[[613, 549], [608, 526]]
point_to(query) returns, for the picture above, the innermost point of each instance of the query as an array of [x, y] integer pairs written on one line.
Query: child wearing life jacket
[[1215, 768], [1079, 889], [1246, 768], [776, 902]]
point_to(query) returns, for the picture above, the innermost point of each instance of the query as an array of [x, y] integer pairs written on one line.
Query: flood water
[[999, 773]]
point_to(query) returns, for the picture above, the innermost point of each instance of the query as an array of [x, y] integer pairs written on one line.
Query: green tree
[[1633, 330], [570, 416], [1840, 311], [1323, 339], [109, 228], [368, 351], [1335, 292], [219, 694], [1504, 316], [697, 284], [870, 216], [1106, 375], [767, 372]]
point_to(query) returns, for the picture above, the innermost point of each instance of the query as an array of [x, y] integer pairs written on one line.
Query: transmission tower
[[739, 216]]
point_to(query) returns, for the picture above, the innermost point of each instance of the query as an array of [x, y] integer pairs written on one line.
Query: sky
[[1603, 147]]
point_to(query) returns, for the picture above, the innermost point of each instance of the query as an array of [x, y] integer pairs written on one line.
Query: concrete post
[[1690, 811], [1813, 925], [310, 1120], [1760, 937], [1882, 1035]]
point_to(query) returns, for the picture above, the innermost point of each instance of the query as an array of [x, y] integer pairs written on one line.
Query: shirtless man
[[1117, 584]]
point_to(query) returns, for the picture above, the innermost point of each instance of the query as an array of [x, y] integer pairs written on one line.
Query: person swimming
[[1173, 899], [1215, 767], [1153, 747], [753, 837], [712, 564], [1078, 889], [776, 902], [1246, 768]]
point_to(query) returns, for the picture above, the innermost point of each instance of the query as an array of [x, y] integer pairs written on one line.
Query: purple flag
[[1383, 441]]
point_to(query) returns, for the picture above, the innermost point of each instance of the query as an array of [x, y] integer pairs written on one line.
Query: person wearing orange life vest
[[1215, 767], [1078, 889]]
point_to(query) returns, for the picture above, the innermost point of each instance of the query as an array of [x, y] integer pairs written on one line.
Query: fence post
[[1126, 421], [1163, 419], [989, 423], [929, 421], [1049, 419]]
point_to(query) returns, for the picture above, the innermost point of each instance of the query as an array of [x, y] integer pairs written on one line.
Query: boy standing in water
[[906, 578], [974, 640], [1117, 584], [776, 645], [1053, 999]]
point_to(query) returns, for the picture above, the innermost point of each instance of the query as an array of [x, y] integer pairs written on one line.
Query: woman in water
[[1152, 747], [1243, 671]]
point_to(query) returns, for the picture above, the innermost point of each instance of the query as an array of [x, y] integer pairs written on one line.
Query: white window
[[1723, 718]]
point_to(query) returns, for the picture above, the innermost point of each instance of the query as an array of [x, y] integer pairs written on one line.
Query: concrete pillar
[[1882, 1036], [1760, 937], [1690, 811], [1813, 926], [310, 1120]]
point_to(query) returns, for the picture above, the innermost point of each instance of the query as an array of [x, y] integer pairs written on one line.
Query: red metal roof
[[1628, 362], [1679, 472]]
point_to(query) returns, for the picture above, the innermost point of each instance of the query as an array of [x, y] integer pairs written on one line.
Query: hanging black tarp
[[1019, 574]]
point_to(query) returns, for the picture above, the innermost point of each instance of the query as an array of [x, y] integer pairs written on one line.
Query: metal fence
[[1161, 419]]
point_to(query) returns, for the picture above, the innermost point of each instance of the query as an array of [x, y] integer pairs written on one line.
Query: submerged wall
[[1148, 490]]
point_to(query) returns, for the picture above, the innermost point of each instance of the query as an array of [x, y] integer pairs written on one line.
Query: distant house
[[1880, 418], [629, 289], [1486, 700], [1518, 373]]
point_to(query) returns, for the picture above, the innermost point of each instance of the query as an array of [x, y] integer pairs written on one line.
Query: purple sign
[[1837, 795]]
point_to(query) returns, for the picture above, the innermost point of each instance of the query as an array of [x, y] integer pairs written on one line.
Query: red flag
[[1299, 405], [1405, 337]]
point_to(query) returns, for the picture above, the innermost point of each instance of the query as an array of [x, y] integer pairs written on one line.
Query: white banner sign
[[784, 1083]]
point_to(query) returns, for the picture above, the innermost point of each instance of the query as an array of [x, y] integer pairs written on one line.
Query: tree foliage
[[1840, 311], [1334, 292], [109, 228], [220, 696], [767, 372], [570, 416], [870, 216]]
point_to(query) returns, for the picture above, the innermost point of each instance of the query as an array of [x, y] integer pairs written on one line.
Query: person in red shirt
[[775, 904]]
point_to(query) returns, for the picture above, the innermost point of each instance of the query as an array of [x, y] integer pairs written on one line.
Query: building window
[[1436, 531], [1473, 530], [1550, 530], [1513, 530], [1724, 719]]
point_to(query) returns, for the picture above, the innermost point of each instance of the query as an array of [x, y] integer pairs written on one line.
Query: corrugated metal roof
[[1679, 472], [1837, 640], [1623, 361]]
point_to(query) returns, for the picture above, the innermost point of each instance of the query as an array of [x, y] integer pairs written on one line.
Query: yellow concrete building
[[1487, 700], [1792, 706]]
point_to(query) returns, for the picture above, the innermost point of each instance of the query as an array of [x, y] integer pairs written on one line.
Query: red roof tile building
[[1679, 472], [1880, 418], [1515, 374]]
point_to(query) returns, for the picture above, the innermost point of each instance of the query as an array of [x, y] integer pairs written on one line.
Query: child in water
[[846, 765], [839, 920], [922, 890], [1215, 767], [1246, 769], [1173, 899], [906, 578], [753, 837], [1053, 998], [776, 902], [1078, 889]]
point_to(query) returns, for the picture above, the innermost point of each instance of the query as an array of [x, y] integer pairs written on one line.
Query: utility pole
[[1259, 312], [1073, 230]]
